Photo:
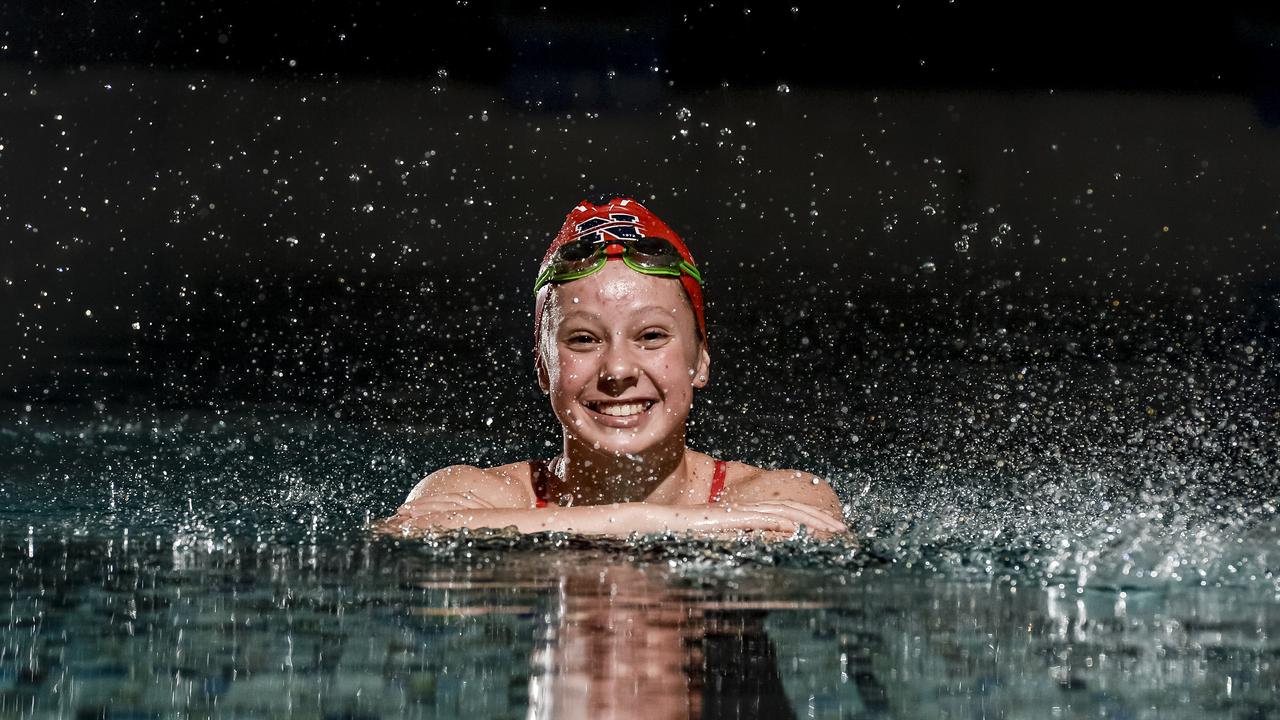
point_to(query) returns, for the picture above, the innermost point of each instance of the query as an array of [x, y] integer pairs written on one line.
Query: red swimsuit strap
[[539, 470], [717, 482]]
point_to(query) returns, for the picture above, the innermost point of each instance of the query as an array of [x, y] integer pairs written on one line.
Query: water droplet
[[683, 114], [928, 267], [784, 88]]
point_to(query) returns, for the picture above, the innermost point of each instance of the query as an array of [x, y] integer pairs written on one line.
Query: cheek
[[675, 375], [571, 371]]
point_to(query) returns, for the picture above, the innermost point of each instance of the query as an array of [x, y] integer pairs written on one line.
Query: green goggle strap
[[549, 275]]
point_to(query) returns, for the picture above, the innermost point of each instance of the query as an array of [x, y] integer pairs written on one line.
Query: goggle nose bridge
[[575, 259]]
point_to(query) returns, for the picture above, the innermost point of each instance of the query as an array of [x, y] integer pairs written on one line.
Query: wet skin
[[620, 358], [620, 341]]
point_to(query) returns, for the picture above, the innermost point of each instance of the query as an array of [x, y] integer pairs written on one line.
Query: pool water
[[142, 626], [1061, 510]]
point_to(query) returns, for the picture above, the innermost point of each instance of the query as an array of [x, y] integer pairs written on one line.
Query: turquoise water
[[484, 629], [1030, 335], [1064, 507], [214, 564]]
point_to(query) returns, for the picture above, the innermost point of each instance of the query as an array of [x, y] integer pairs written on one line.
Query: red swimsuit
[[540, 470]]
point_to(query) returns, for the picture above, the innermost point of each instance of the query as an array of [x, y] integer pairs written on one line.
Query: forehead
[[617, 290]]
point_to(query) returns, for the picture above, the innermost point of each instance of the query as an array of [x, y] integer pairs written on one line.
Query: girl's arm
[[786, 486], [793, 487], [617, 520], [462, 496]]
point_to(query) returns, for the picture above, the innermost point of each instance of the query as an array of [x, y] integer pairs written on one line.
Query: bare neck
[[593, 477]]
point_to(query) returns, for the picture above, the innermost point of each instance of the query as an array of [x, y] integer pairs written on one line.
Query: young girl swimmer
[[620, 347]]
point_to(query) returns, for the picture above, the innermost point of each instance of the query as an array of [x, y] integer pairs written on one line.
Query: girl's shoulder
[[739, 473], [745, 483], [510, 481]]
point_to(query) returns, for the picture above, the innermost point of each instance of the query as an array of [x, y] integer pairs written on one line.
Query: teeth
[[620, 409]]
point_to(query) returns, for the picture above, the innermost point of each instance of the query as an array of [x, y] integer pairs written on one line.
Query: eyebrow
[[596, 316]]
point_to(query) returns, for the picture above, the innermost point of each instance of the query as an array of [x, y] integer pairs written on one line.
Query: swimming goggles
[[648, 255]]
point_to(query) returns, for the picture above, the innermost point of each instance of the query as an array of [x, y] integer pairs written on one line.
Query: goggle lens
[[656, 247], [583, 257], [575, 251]]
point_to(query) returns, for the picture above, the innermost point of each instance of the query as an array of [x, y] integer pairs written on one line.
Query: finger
[[815, 511], [737, 518], [394, 525], [807, 515], [447, 501], [433, 508], [465, 498], [765, 522], [749, 517]]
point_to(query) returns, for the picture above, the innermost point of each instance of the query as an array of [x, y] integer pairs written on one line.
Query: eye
[[579, 339], [654, 336]]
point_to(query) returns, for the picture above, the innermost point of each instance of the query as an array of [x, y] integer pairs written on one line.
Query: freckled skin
[[621, 336]]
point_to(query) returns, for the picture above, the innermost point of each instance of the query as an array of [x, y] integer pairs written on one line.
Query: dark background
[[341, 208]]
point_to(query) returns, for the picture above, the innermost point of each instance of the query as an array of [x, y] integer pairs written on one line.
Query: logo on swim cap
[[621, 218], [617, 226]]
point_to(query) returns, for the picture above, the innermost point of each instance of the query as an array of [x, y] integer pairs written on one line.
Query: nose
[[619, 369]]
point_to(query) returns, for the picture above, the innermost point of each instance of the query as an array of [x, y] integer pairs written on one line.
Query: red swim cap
[[618, 213]]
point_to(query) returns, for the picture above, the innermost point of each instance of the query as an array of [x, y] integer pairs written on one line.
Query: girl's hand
[[795, 513], [416, 516], [775, 519], [445, 502], [779, 516]]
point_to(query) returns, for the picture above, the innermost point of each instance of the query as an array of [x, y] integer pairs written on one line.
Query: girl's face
[[620, 357]]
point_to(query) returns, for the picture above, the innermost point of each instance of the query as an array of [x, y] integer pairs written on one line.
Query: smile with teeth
[[619, 408]]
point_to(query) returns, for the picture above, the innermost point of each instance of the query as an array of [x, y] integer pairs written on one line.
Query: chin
[[647, 435], [629, 443]]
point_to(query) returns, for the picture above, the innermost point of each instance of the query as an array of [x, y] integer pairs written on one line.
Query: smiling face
[[620, 356]]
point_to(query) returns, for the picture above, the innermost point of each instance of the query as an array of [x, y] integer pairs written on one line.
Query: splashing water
[[1049, 410], [1105, 499]]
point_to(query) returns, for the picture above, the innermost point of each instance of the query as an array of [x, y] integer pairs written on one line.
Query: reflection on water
[[1058, 518], [128, 627], [624, 641]]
